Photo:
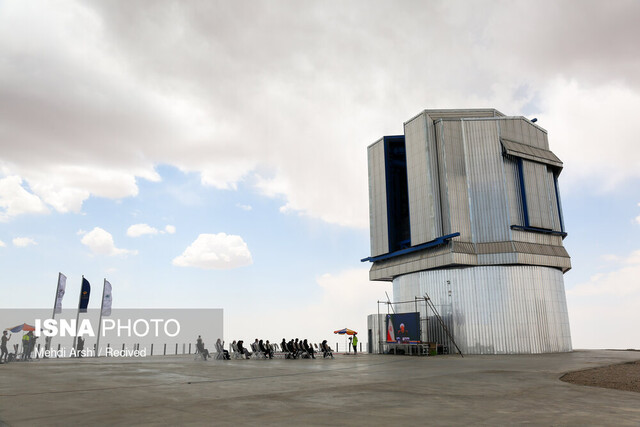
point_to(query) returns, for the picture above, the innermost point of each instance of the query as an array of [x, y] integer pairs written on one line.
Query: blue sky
[[214, 155]]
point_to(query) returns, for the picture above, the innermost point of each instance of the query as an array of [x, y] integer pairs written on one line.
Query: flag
[[84, 295], [106, 299], [391, 335], [62, 284]]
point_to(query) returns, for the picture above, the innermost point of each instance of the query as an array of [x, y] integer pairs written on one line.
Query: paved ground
[[362, 390]]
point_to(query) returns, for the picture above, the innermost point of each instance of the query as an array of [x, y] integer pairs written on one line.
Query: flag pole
[[47, 340], [104, 284], [55, 299], [75, 337]]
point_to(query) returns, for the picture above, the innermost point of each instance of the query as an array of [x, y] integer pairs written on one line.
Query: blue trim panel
[[539, 230], [436, 242], [397, 193], [523, 193]]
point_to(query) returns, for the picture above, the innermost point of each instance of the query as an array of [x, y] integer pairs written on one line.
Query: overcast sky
[[213, 154]]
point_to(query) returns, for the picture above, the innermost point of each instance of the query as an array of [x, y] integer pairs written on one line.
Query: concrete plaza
[[348, 390]]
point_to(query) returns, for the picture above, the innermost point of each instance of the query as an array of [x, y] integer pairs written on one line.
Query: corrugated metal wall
[[514, 197], [453, 182], [376, 323], [538, 200], [378, 228], [494, 309], [422, 180], [553, 201], [484, 166]]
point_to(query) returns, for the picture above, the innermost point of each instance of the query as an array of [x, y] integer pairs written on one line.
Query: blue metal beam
[[539, 230], [436, 242]]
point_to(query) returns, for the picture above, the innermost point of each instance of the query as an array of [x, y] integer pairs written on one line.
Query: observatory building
[[465, 209]]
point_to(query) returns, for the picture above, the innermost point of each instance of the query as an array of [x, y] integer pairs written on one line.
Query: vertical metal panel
[[514, 196], [538, 200], [415, 132], [443, 180], [553, 201], [376, 322], [485, 181], [378, 226], [435, 219], [453, 180], [422, 180], [494, 309]]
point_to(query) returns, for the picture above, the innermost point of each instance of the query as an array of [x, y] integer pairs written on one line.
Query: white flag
[[106, 299], [62, 284]]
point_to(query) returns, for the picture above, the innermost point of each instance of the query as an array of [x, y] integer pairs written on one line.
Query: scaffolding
[[433, 328]]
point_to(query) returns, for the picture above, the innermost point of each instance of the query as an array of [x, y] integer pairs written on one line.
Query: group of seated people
[[293, 349], [202, 351]]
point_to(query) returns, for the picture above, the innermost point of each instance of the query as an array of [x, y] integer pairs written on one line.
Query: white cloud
[[2, 244], [244, 207], [100, 242], [23, 242], [138, 230], [621, 282], [588, 132], [117, 99], [15, 200], [604, 311], [215, 251]]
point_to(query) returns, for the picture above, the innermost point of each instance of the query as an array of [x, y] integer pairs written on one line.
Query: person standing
[[26, 346], [3, 347], [355, 344], [80, 347], [32, 344]]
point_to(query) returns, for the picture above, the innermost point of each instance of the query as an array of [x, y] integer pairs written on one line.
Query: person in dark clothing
[[292, 349], [243, 350], [308, 348], [265, 349], [3, 347], [80, 347], [326, 350], [269, 348]]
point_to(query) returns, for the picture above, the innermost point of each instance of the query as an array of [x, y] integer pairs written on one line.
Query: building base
[[514, 309]]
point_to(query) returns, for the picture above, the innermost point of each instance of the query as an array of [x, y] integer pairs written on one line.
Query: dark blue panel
[[397, 192]]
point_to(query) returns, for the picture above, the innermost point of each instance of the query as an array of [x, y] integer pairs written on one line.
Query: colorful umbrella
[[345, 331], [23, 327]]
